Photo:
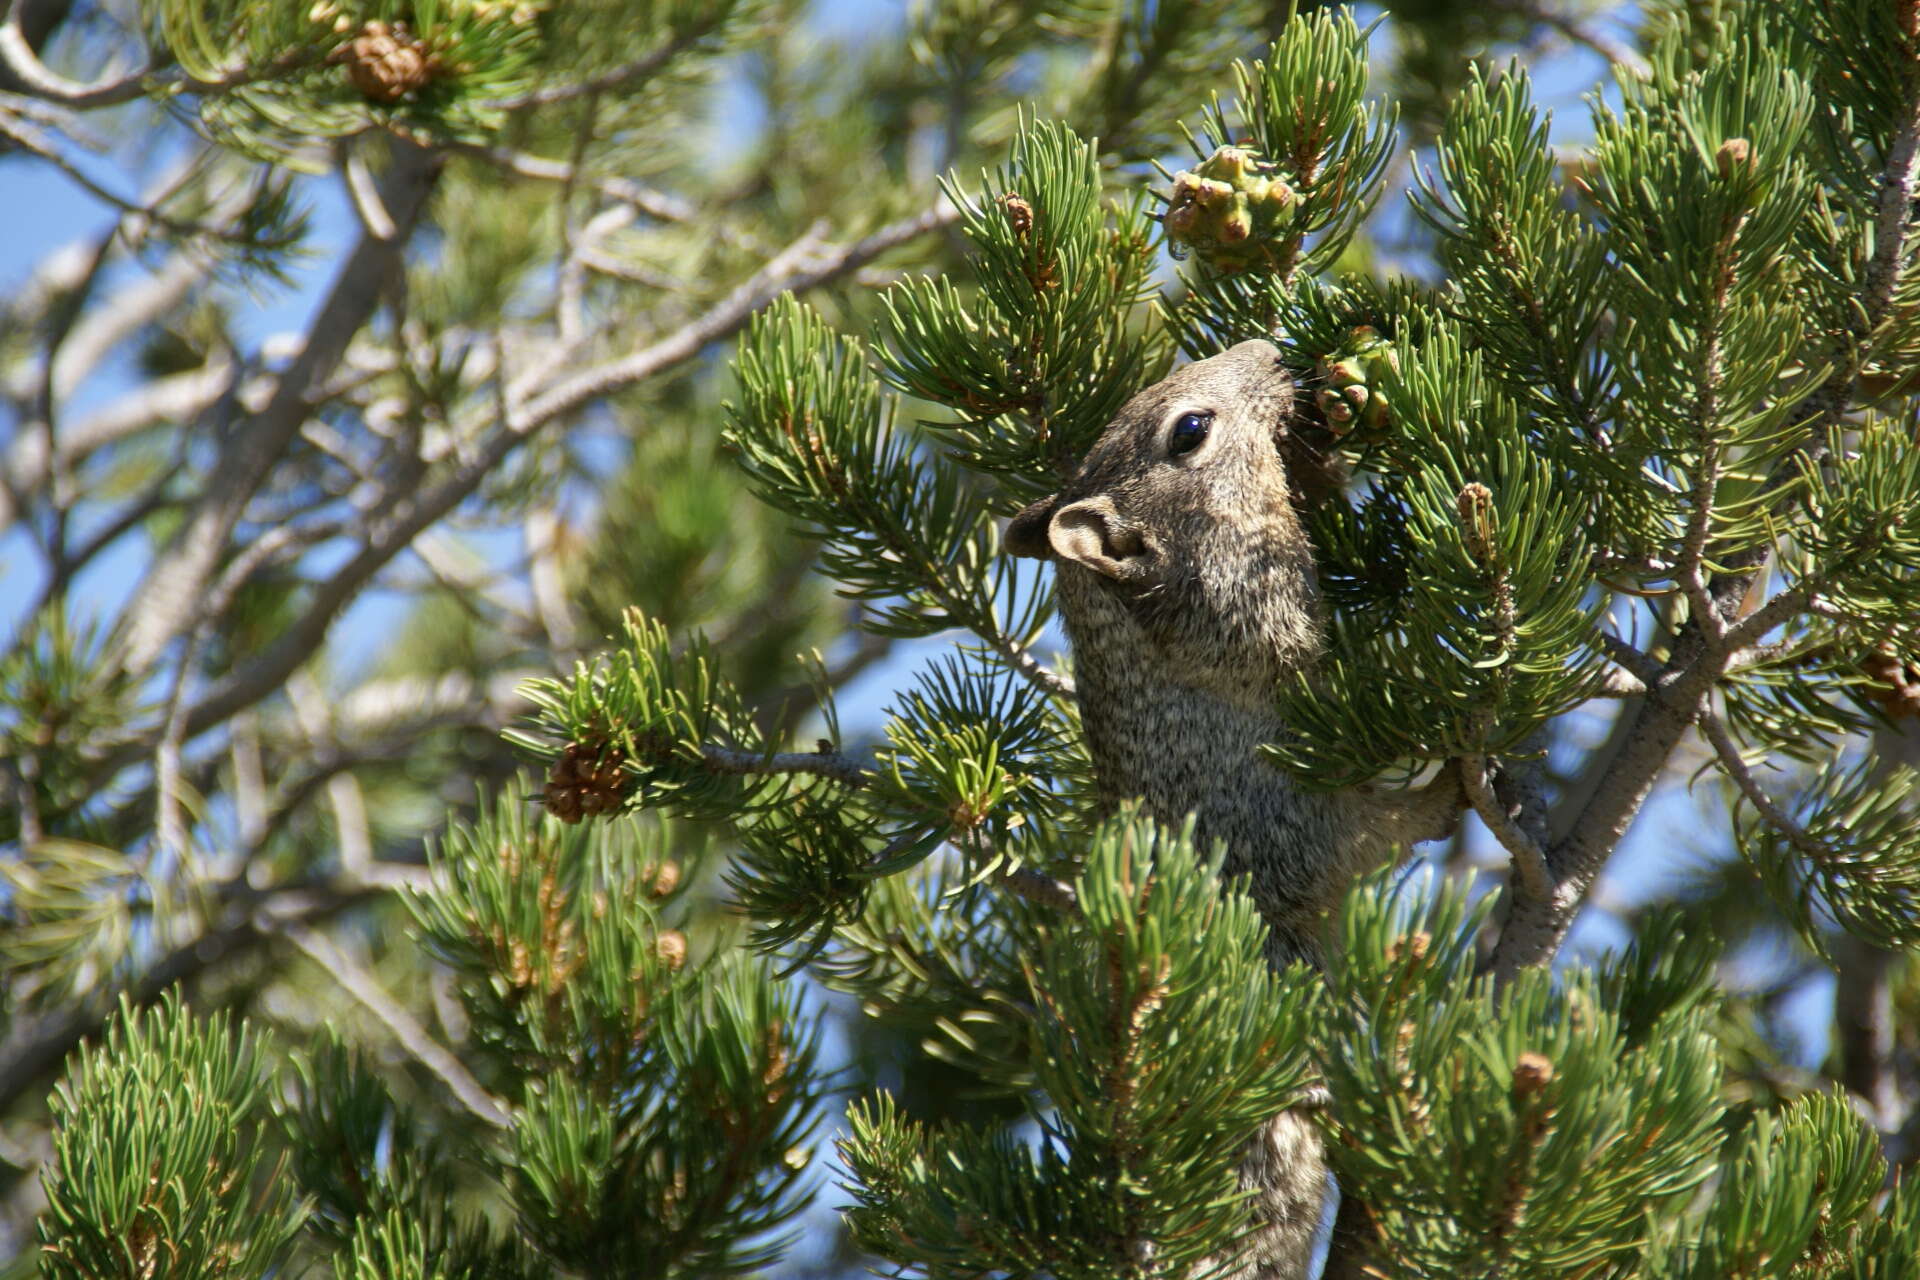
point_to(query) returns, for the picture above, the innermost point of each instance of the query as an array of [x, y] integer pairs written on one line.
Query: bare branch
[[165, 601], [1636, 663], [249, 781], [1615, 683], [597, 260], [18, 55], [542, 530], [125, 314], [407, 704], [349, 805], [1865, 1027], [406, 514], [805, 264], [31, 138], [414, 1038], [36, 1047], [365, 195], [658, 205], [466, 576]]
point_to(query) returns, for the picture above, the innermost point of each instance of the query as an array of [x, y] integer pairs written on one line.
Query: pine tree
[[565, 929]]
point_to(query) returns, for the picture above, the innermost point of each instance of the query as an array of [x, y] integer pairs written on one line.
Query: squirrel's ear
[[1027, 532], [1091, 532]]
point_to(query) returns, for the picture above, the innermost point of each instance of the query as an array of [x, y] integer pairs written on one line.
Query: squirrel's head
[[1180, 518]]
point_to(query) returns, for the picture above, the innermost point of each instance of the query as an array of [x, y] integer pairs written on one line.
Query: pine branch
[[1664, 716], [35, 1048], [406, 1029], [1893, 226], [1892, 250], [1028, 667]]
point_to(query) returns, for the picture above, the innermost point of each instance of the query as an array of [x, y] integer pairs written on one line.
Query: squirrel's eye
[[1188, 433]]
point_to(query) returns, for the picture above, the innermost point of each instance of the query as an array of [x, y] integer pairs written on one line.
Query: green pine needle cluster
[[1124, 1175], [434, 70], [1040, 352], [157, 1135], [1305, 109], [1546, 1129]]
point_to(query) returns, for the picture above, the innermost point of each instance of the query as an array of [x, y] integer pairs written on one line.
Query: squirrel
[[1186, 583]]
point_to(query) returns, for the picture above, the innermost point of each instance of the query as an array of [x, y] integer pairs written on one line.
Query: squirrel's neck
[[1179, 748], [1155, 726]]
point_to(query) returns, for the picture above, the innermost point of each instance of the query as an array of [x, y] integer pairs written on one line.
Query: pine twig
[[1728, 752], [1529, 860], [628, 75], [825, 763], [1029, 668]]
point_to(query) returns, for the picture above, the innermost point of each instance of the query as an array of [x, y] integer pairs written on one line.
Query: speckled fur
[[1187, 588]]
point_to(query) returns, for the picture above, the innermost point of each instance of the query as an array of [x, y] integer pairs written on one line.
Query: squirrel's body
[[1187, 586], [1185, 750]]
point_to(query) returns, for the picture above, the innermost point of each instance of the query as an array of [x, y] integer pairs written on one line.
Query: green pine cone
[[1229, 211], [1350, 398]]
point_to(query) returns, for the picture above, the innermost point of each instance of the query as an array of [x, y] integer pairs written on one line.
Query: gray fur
[[1188, 591]]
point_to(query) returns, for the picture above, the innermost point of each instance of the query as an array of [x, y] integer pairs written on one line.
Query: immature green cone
[[1349, 397], [1230, 211]]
